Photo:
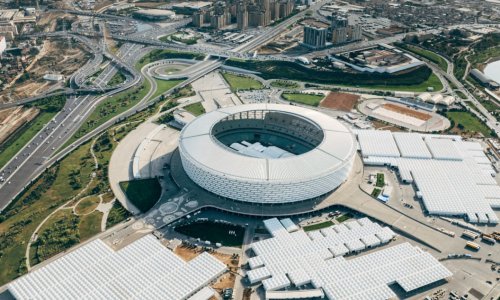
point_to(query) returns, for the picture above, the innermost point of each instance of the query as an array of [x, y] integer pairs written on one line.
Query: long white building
[[452, 176]]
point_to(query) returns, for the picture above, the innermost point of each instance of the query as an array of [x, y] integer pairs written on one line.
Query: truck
[[473, 246], [470, 234], [488, 238]]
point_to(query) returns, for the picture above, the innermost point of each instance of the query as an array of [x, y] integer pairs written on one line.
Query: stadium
[[267, 153]]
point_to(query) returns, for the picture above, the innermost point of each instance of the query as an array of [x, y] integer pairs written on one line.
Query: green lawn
[[344, 217], [87, 205], [284, 84], [117, 214], [143, 193], [61, 234], [461, 95], [163, 86], [318, 226], [308, 99], [239, 82], [90, 225], [117, 79], [227, 234], [468, 121], [380, 180], [376, 192], [195, 108], [433, 57]]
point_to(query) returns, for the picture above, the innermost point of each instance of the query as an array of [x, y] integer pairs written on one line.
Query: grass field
[[227, 234], [284, 84], [461, 95], [90, 225], [58, 234], [308, 99], [237, 82], [117, 214], [143, 193], [163, 86], [195, 108], [318, 226], [117, 79], [468, 121], [87, 205], [433, 57]]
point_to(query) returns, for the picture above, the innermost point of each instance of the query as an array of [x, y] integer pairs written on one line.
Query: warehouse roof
[[453, 176], [144, 269], [308, 260]]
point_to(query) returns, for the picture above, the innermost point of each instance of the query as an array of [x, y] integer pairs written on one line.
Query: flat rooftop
[[144, 269], [453, 176]]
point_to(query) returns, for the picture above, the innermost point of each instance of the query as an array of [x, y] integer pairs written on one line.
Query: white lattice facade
[[323, 159], [271, 192]]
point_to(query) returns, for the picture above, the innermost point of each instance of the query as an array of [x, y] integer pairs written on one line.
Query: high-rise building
[[241, 16], [315, 35], [197, 19], [355, 33], [218, 21], [339, 35]]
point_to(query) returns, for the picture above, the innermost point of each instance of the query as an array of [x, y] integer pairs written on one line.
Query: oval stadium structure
[[267, 153]]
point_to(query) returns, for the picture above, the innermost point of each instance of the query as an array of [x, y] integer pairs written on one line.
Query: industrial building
[[267, 153], [452, 177], [144, 269], [294, 262], [315, 34]]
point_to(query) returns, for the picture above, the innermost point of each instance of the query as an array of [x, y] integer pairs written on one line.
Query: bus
[[473, 246]]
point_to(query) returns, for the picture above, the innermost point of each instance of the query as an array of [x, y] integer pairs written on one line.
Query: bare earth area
[[13, 118], [340, 101], [409, 112], [57, 57]]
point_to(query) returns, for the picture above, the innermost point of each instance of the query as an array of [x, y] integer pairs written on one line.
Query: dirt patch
[[407, 111], [58, 57], [13, 118], [385, 126], [340, 101]]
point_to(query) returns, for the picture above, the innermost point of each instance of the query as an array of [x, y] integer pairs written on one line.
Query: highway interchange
[[44, 149]]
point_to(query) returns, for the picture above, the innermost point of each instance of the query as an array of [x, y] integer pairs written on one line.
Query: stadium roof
[[335, 151], [144, 269], [308, 259], [453, 176]]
